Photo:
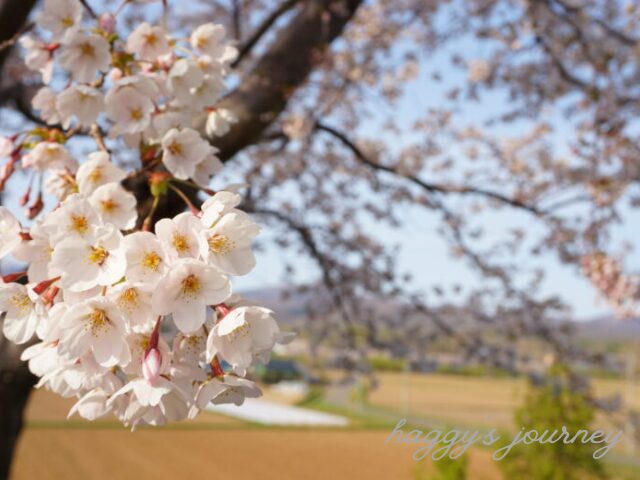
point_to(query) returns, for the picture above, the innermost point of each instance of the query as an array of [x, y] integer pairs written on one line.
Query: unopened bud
[[151, 365], [107, 22], [36, 208]]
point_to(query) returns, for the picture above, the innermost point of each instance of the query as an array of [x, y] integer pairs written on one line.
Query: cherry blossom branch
[[576, 11], [98, 136], [325, 263], [184, 198], [429, 187]]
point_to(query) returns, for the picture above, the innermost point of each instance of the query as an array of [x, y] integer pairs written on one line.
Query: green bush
[[549, 408], [446, 469], [386, 364]]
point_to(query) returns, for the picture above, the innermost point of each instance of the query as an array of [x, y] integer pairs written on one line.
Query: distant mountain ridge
[[292, 309]]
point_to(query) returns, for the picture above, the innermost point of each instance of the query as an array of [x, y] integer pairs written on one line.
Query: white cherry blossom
[[22, 316], [135, 304], [95, 326], [84, 56], [183, 151], [146, 259], [186, 291], [219, 122], [206, 169], [37, 251], [49, 155], [148, 42], [75, 217], [98, 170], [208, 38], [227, 389], [181, 236], [60, 17], [229, 243], [86, 263], [245, 334], [184, 77], [103, 293], [45, 102], [9, 232], [82, 102], [129, 110], [38, 57], [115, 205], [218, 205], [60, 183]]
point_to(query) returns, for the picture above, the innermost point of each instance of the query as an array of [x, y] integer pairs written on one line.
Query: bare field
[[214, 447], [95, 454], [481, 401]]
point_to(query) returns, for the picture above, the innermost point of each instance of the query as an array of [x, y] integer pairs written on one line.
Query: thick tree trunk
[[16, 382]]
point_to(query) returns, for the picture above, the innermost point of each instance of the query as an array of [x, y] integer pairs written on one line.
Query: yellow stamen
[[239, 332], [21, 302], [220, 244], [175, 148], [79, 224], [97, 322], [151, 260], [180, 243], [98, 255], [143, 343], [190, 285], [67, 21], [151, 39], [87, 50], [108, 205], [128, 299], [96, 175], [136, 114]]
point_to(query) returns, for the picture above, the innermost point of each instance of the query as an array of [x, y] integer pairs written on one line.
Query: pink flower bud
[[115, 74], [107, 22], [151, 365], [6, 147]]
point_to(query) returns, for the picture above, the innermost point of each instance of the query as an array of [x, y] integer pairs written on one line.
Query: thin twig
[[185, 199], [89, 10], [98, 136], [264, 27], [10, 42]]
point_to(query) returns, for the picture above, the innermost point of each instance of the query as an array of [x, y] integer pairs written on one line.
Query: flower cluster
[[606, 274], [139, 323], [151, 90]]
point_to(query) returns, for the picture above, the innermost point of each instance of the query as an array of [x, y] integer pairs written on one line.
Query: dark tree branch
[[286, 64], [5, 44], [429, 187], [89, 10], [236, 21], [264, 27], [324, 262], [13, 17]]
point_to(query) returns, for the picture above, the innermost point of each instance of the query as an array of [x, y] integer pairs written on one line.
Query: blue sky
[[423, 252]]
